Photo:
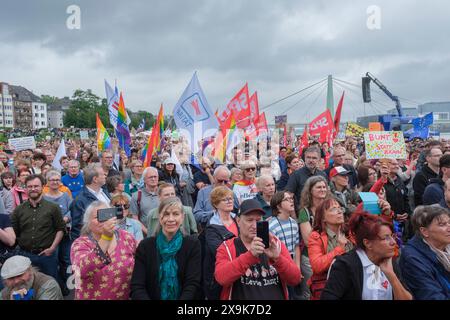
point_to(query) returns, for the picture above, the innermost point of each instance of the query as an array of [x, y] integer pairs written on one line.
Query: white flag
[[178, 167], [59, 154], [193, 115]]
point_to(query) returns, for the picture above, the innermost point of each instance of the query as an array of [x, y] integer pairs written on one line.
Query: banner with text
[[24, 143], [385, 145]]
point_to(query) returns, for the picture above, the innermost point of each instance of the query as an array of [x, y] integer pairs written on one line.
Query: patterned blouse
[[99, 276]]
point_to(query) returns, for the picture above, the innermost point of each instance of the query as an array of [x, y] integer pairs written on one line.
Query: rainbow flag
[[152, 144], [122, 131], [103, 140], [160, 121], [222, 142]]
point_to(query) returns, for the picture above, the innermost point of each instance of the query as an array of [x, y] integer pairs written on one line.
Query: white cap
[[15, 266]]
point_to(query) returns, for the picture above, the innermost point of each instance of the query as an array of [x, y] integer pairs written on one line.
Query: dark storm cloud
[[277, 46]]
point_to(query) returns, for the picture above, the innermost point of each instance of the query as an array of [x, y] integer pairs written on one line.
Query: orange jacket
[[319, 258]]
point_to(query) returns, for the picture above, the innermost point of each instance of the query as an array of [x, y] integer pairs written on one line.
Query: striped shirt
[[286, 231]]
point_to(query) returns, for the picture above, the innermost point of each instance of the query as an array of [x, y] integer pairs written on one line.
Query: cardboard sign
[[385, 145], [84, 135], [24, 143]]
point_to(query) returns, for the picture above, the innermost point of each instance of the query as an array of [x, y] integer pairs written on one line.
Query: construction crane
[[366, 84]]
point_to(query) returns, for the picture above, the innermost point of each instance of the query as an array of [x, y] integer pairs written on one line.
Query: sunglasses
[[223, 181], [250, 169], [125, 206]]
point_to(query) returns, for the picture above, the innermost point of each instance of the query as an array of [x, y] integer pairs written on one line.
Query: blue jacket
[[78, 207], [424, 275]]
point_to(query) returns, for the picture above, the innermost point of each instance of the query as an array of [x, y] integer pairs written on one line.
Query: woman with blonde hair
[[167, 265]]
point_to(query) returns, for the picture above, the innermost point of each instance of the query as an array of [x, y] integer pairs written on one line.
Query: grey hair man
[[146, 198], [95, 179], [203, 209]]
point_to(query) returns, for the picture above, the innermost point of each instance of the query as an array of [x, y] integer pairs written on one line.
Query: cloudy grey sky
[[279, 47]]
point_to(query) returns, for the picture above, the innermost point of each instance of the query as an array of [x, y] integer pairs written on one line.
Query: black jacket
[[434, 192], [297, 181], [421, 181], [144, 281], [397, 196], [346, 278], [214, 235]]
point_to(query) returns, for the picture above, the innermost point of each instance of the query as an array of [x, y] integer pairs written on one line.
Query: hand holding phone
[[262, 231]]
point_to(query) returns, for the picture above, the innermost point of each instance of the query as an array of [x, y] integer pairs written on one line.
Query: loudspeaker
[[366, 89]]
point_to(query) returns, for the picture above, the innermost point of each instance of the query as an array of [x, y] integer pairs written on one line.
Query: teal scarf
[[168, 269]]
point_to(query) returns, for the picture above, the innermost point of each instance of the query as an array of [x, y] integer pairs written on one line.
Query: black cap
[[250, 206]]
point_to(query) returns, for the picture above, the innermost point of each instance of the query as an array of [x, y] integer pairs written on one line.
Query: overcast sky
[[152, 48]]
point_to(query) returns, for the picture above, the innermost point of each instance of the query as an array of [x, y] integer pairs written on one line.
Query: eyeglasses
[[54, 180], [227, 200], [125, 206], [289, 199], [388, 238], [250, 169], [223, 181]]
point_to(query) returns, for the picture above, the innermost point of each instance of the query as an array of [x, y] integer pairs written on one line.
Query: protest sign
[[84, 135], [385, 145], [24, 143]]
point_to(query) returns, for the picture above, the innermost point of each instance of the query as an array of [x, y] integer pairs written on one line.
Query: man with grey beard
[[24, 282]]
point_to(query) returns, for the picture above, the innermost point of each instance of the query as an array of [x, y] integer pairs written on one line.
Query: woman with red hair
[[367, 272], [327, 241]]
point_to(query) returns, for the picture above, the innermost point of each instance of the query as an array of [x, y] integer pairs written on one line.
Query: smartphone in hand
[[262, 231]]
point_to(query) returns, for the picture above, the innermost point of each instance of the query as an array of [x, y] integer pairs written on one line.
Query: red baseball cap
[[339, 170]]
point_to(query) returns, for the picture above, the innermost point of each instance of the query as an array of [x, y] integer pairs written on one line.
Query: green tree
[[83, 109], [49, 99]]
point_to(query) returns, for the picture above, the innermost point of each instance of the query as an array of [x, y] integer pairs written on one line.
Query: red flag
[[239, 106], [254, 107], [304, 142], [284, 136], [261, 125], [321, 122], [337, 116]]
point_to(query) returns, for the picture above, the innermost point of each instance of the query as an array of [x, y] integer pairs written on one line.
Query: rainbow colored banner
[[103, 140]]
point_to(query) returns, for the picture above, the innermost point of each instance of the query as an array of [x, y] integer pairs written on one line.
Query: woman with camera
[[130, 225], [103, 256], [168, 265]]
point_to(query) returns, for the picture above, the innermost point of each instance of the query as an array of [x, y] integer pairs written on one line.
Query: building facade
[[56, 113], [29, 112], [6, 107]]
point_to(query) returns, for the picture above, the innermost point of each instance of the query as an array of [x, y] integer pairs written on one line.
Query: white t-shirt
[[245, 192], [376, 286]]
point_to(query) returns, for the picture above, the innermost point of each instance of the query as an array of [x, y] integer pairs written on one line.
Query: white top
[[375, 284], [245, 192], [101, 196]]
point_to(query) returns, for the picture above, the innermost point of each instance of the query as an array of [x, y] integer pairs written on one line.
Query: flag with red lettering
[[239, 107], [321, 122]]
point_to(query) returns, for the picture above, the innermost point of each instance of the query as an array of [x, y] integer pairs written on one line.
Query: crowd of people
[[103, 226]]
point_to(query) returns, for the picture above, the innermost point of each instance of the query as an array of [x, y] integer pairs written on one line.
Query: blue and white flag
[[193, 115], [112, 98]]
